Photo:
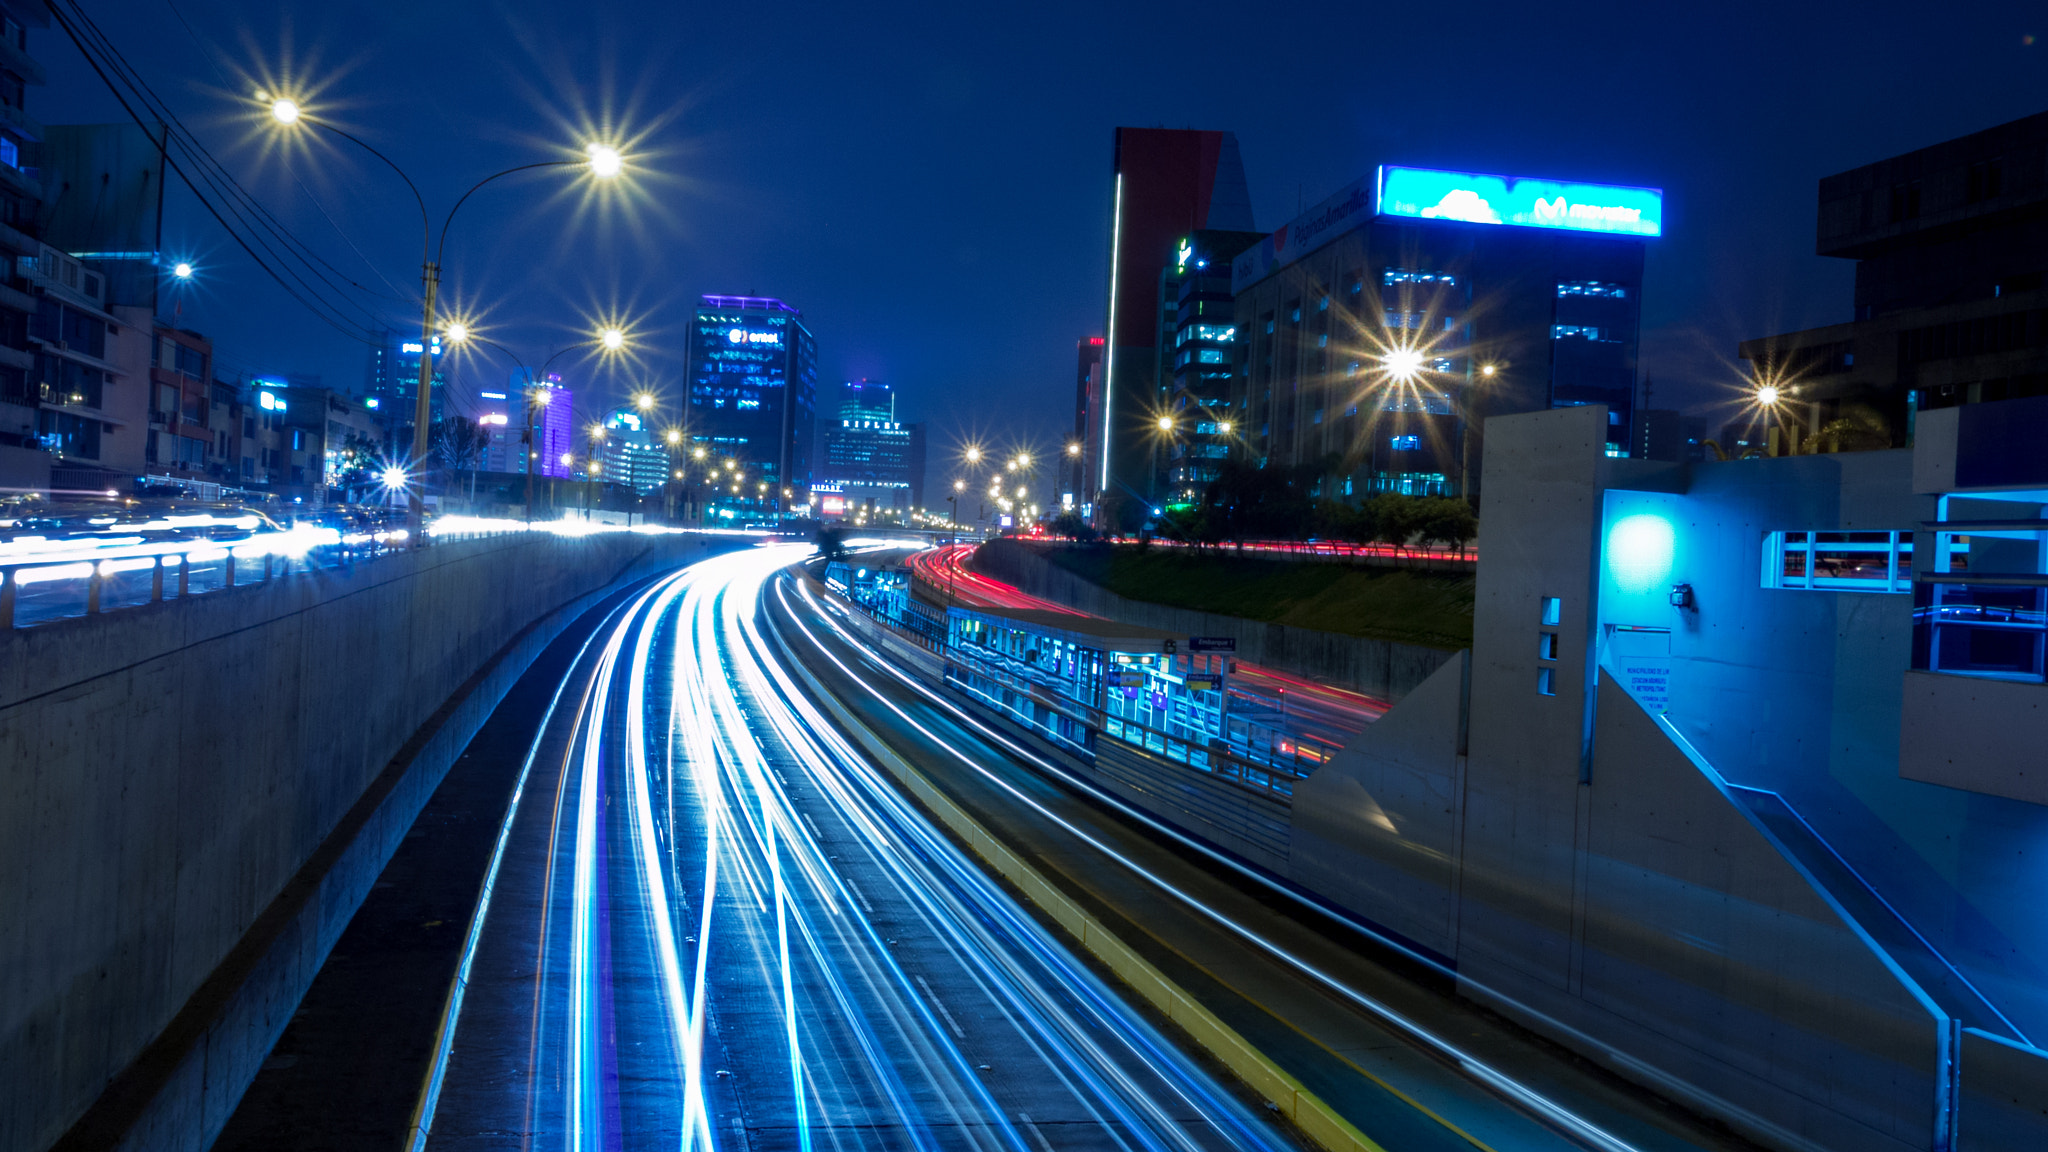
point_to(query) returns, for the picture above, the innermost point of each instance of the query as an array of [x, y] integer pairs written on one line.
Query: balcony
[[20, 123]]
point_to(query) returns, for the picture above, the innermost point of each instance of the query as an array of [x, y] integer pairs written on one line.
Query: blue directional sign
[[1476, 198]]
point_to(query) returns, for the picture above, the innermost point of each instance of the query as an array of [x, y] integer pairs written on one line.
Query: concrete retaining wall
[[195, 796], [1379, 668]]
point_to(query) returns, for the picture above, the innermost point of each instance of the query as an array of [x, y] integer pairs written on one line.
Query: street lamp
[[182, 270], [601, 161], [538, 393]]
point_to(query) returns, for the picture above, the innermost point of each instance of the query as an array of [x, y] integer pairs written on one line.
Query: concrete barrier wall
[[195, 795], [1379, 668]]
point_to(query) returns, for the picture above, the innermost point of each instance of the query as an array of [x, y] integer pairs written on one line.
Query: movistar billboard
[[1476, 198]]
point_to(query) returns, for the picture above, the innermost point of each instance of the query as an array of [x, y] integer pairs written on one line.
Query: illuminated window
[[1839, 561], [1592, 288], [1546, 681], [1546, 645], [1570, 331], [1553, 608], [1404, 443], [1414, 276]]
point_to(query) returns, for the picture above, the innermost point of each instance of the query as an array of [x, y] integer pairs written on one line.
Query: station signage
[[1520, 201], [1212, 643], [1126, 678], [1204, 683]]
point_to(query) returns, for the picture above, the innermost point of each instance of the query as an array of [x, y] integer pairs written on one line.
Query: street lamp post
[[604, 163], [609, 340]]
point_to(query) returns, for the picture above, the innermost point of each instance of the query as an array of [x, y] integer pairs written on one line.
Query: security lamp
[[182, 270], [1681, 597]]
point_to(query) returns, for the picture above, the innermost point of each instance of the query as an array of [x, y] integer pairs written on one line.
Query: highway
[[710, 922], [1377, 1031]]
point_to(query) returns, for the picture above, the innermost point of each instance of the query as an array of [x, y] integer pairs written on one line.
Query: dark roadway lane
[[1382, 1039], [717, 926]]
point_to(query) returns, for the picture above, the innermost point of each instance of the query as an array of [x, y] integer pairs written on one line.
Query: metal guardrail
[[171, 567]]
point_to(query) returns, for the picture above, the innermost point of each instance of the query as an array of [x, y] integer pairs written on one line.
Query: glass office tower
[[753, 397]]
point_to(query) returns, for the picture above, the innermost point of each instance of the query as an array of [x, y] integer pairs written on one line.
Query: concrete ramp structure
[[196, 795], [1656, 814], [1706, 801]]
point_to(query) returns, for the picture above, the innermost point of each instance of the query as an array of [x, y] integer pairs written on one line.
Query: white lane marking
[[933, 998]]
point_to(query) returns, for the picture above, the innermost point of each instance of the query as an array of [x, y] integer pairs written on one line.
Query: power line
[[217, 190]]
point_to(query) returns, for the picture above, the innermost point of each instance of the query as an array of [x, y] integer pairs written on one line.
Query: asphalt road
[[1381, 1037], [716, 925]]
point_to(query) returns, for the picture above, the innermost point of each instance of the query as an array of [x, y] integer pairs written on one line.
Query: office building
[[873, 460], [394, 381], [1167, 182], [501, 417], [1382, 328], [1077, 486], [24, 459], [554, 427], [753, 394], [1951, 247], [1197, 363], [633, 456]]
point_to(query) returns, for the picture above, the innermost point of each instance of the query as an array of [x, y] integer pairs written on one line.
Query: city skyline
[[731, 206]]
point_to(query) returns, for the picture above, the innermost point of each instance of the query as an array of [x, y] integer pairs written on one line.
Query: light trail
[[1479, 1070], [1340, 712], [707, 900]]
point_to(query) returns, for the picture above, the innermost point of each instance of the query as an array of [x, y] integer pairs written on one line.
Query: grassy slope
[[1429, 608]]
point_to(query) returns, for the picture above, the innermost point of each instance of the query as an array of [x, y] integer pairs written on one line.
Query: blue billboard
[[1476, 198]]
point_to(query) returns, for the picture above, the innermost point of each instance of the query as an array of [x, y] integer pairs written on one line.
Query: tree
[[1449, 521], [460, 441], [1395, 519], [1072, 525], [1856, 429], [356, 465]]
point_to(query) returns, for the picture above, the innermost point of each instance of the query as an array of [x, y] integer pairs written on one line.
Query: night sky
[[931, 184]]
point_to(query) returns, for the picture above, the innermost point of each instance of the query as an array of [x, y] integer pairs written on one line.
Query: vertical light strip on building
[[1116, 239]]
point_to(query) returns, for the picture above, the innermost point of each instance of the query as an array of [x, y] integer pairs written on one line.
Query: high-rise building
[[871, 458], [555, 427], [753, 394], [1168, 182], [394, 382], [631, 454], [1379, 330], [1197, 358], [24, 459], [1077, 485], [499, 414], [1951, 250]]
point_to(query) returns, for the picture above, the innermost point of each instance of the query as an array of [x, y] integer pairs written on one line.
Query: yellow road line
[[1321, 1122]]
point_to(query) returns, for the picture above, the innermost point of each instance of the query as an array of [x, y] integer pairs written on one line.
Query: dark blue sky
[[930, 184]]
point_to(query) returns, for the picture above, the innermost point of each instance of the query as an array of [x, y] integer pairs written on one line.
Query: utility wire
[[200, 168], [238, 200], [212, 55]]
